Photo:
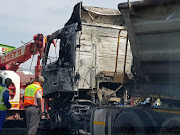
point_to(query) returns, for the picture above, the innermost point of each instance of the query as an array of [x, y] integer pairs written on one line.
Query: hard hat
[[40, 79]]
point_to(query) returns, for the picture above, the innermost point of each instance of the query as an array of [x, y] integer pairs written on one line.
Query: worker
[[4, 100], [32, 102]]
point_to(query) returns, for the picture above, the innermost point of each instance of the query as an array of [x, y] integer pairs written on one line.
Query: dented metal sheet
[[98, 53]]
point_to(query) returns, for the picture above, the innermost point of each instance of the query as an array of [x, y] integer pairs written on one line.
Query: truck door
[[59, 75]]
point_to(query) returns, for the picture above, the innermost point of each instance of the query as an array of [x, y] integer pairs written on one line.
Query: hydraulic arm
[[13, 59]]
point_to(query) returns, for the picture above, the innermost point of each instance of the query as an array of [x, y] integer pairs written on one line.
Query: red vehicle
[[9, 64]]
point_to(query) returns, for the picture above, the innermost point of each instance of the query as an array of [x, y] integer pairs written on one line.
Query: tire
[[171, 126], [135, 122]]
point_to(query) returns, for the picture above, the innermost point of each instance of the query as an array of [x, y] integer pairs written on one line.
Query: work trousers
[[2, 118], [33, 119]]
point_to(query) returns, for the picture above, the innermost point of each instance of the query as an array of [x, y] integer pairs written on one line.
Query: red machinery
[[13, 59], [9, 64]]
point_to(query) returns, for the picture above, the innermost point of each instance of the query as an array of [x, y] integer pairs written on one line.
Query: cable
[[85, 78], [51, 57], [31, 66], [27, 42]]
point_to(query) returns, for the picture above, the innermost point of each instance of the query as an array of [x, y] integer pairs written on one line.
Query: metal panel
[[154, 31], [59, 75], [98, 53]]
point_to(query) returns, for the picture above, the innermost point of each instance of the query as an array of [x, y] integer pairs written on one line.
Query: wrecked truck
[[89, 85], [91, 50]]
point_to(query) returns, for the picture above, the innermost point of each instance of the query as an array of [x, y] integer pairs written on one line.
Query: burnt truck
[[109, 58]]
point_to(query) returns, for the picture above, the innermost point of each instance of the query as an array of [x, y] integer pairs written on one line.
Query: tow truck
[[9, 65]]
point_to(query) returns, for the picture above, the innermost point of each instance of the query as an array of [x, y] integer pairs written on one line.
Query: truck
[[108, 59], [9, 65]]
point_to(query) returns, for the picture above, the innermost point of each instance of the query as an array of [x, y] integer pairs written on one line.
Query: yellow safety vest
[[29, 95], [2, 105]]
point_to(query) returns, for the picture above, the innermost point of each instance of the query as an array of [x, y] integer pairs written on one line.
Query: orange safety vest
[[30, 92]]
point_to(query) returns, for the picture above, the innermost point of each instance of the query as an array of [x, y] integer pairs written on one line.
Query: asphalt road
[[18, 127]]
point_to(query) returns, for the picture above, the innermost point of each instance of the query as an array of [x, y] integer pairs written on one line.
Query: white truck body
[[98, 52]]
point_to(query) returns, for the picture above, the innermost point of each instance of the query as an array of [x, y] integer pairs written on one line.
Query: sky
[[21, 19]]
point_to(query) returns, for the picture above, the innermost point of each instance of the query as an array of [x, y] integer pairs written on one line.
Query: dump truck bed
[[154, 31]]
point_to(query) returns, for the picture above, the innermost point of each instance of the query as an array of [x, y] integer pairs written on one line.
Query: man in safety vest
[[32, 102], [4, 100]]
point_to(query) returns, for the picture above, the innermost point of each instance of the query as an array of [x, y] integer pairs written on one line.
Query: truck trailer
[[109, 58]]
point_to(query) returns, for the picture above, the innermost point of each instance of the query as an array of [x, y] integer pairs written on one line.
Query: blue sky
[[21, 19]]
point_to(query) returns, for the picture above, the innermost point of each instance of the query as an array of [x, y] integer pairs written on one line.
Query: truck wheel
[[171, 126], [133, 122]]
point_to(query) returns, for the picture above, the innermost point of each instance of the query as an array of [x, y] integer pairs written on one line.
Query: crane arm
[[13, 59]]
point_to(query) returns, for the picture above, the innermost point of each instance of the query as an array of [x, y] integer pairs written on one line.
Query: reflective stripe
[[99, 123], [15, 106], [166, 111], [28, 98]]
